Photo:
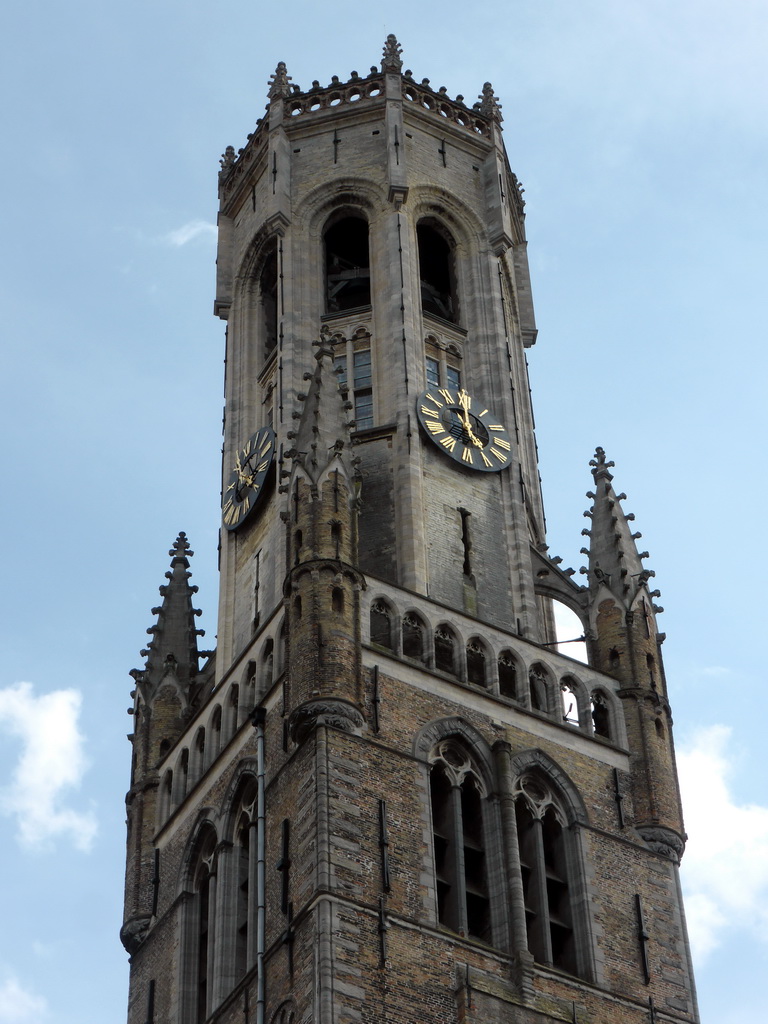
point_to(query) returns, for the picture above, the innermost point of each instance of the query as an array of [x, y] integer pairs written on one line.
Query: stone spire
[[323, 431], [173, 648], [614, 561]]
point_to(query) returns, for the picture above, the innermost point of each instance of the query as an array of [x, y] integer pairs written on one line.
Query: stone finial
[[601, 468], [489, 105], [227, 162], [279, 83], [391, 60]]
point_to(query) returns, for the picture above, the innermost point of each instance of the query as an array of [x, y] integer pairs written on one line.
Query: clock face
[[246, 481], [464, 429]]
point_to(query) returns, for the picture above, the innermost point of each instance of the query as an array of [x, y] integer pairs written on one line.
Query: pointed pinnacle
[[279, 83], [391, 59]]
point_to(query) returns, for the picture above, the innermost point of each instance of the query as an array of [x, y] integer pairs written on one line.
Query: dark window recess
[[445, 650], [507, 676], [413, 638], [460, 869], [381, 626], [443, 837], [268, 294], [436, 274], [241, 937], [347, 265], [545, 888], [537, 685], [601, 719], [476, 664], [433, 373], [475, 885], [337, 600]]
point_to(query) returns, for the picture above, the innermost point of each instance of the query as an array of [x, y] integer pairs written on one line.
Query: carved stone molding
[[134, 931], [331, 711], [662, 840]]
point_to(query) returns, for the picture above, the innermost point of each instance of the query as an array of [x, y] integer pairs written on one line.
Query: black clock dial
[[245, 485], [464, 429]]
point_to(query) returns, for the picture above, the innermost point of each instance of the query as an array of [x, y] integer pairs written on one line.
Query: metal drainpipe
[[258, 718]]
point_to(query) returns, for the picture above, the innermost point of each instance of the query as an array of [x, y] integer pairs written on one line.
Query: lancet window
[[199, 913], [477, 663], [458, 804], [347, 264], [414, 634], [381, 625], [437, 273], [507, 675], [268, 299], [544, 862], [445, 649]]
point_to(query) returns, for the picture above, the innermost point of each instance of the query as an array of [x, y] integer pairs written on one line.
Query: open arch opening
[[347, 264], [437, 273]]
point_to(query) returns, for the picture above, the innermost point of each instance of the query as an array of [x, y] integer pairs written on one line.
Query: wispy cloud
[[189, 232], [725, 868], [19, 1006], [51, 761]]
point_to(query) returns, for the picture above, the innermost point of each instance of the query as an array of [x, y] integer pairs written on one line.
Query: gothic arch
[[353, 195], [428, 202], [427, 739], [245, 773], [536, 762]]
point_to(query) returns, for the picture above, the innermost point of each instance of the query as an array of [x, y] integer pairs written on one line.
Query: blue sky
[[638, 130]]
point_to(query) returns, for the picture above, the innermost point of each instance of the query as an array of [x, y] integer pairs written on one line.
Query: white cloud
[[51, 761], [188, 232], [17, 1006], [725, 868]]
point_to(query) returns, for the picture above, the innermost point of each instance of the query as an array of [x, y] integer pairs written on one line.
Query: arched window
[[381, 625], [282, 647], [267, 666], [437, 273], [249, 696], [507, 675], [458, 833], [543, 859], [215, 732], [268, 299], [414, 633], [477, 663], [347, 264], [199, 914], [445, 649], [538, 687], [166, 797], [569, 692], [232, 708], [181, 777], [337, 600], [245, 879], [601, 715], [198, 756]]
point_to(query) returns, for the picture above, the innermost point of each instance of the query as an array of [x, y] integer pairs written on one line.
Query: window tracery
[[457, 796], [541, 825]]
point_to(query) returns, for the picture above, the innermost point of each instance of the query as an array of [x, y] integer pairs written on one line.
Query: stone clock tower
[[386, 797]]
